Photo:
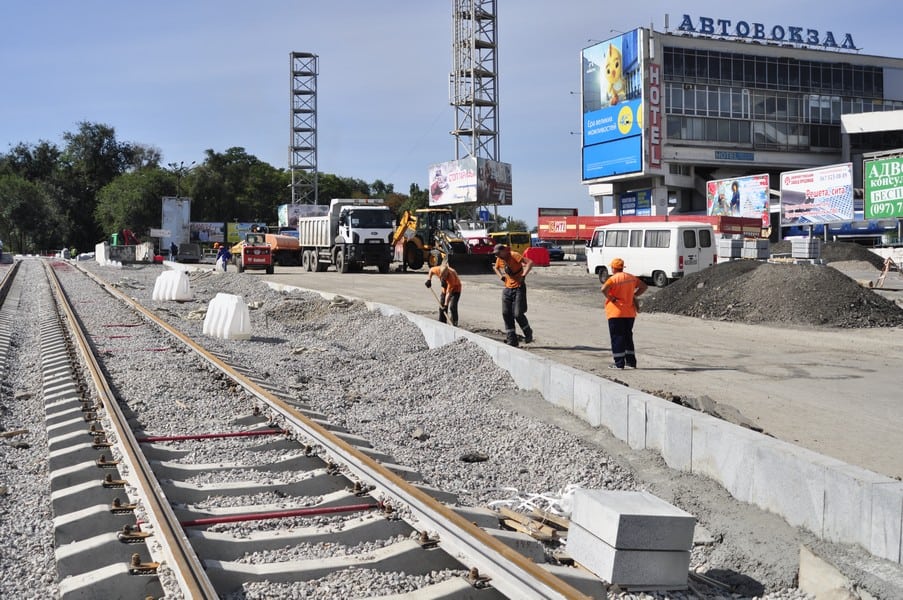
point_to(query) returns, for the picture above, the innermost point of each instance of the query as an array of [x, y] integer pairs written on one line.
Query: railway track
[[238, 489]]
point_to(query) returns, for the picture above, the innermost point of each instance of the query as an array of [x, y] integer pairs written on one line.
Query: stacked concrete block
[[632, 539], [730, 248], [805, 247], [755, 248]]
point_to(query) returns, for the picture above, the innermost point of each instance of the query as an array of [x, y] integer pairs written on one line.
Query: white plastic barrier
[[228, 318], [172, 285]]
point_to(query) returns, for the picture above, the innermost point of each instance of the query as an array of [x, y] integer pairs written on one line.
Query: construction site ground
[[834, 390]]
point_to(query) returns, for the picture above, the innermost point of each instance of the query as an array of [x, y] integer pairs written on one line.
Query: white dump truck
[[352, 234]]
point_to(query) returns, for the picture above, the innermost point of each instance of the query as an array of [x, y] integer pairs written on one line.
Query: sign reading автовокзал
[[882, 188]]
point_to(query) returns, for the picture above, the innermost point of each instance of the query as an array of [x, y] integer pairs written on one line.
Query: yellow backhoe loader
[[429, 236]]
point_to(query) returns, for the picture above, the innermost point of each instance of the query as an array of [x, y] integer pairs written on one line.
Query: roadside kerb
[[832, 499]]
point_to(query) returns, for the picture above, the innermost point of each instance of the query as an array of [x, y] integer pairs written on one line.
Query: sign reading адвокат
[[882, 181]]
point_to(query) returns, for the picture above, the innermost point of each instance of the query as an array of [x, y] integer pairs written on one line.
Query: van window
[[689, 238], [705, 238], [616, 238], [636, 238], [657, 238], [598, 239]]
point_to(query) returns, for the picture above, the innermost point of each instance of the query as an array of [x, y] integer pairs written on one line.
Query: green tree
[[27, 220], [512, 224], [133, 201]]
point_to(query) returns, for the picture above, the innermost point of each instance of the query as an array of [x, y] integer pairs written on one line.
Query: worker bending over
[[451, 291]]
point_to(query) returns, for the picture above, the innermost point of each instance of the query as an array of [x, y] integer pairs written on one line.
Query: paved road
[[838, 392]]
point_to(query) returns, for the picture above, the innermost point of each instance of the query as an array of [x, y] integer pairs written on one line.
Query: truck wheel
[[603, 274], [342, 264], [241, 266], [383, 267], [270, 270], [413, 257], [305, 261], [659, 279]]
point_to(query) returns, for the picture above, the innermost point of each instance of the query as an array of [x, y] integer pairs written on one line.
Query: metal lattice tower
[[304, 67], [473, 85]]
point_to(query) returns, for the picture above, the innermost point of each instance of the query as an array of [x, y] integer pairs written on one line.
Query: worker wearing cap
[[620, 291], [512, 268], [451, 291], [222, 254]]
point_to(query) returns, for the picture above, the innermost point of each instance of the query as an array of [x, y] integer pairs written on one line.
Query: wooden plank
[[533, 533], [546, 517]]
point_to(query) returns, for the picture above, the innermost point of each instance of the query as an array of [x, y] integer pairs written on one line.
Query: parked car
[[554, 250], [480, 245]]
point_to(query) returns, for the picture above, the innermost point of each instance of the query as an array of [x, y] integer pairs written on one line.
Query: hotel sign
[[789, 34]]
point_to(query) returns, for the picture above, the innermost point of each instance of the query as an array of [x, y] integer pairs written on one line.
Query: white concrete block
[[633, 520], [637, 569], [588, 398], [636, 421], [726, 453], [848, 504], [530, 372], [561, 386], [790, 481], [887, 521], [614, 408], [228, 318], [677, 449]]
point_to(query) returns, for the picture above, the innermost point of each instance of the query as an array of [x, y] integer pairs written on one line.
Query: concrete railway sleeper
[[255, 489]]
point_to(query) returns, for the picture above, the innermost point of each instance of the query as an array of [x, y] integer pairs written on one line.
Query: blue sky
[[187, 76]]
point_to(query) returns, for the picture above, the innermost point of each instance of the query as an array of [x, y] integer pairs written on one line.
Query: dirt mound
[[757, 292], [837, 252]]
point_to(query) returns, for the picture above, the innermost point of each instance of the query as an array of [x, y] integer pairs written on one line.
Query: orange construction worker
[[620, 291], [451, 291], [512, 269]]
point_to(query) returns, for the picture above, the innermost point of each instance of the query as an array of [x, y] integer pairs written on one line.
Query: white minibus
[[660, 252]]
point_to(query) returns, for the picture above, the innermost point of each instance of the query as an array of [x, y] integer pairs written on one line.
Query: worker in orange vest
[[620, 291], [451, 291]]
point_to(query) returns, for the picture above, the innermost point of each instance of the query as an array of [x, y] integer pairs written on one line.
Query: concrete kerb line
[[751, 466]]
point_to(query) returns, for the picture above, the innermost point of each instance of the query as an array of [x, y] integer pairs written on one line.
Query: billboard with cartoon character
[[613, 106]]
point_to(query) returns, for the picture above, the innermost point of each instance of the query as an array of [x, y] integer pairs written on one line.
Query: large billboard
[[290, 213], [470, 180], [739, 197], [176, 216], [812, 196], [612, 95], [882, 181], [203, 233]]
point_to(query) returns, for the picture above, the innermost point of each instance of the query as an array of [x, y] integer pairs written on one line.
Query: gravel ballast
[[427, 408]]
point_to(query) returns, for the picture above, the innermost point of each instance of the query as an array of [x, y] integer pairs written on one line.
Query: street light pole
[[179, 170]]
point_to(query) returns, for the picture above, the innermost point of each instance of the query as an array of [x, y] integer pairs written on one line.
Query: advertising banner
[[235, 232], [470, 180], [494, 184], [613, 106], [290, 213], [637, 204], [453, 182], [823, 195], [739, 197], [207, 233], [175, 218], [882, 181]]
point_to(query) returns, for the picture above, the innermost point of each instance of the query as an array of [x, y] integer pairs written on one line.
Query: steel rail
[[182, 558], [8, 280], [512, 573]]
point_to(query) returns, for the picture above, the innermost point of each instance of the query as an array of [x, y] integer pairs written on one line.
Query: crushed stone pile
[[837, 252], [790, 294]]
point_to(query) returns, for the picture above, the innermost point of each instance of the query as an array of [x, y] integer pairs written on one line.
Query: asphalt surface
[[837, 392]]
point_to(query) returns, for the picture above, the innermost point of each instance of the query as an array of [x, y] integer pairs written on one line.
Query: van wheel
[[603, 274], [659, 279]]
